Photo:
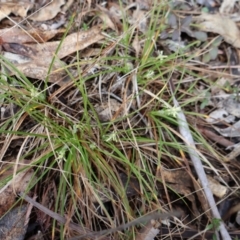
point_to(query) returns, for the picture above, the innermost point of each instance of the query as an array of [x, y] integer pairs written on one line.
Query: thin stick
[[55, 216], [97, 235], [194, 155], [144, 219]]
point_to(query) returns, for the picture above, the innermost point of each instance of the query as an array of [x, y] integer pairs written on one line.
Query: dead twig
[[55, 216], [146, 218], [194, 155], [86, 233]]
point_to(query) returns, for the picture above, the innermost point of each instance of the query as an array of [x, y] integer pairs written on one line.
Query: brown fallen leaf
[[17, 8], [72, 43], [18, 35], [181, 183], [41, 55], [19, 49], [222, 25], [49, 11], [217, 189]]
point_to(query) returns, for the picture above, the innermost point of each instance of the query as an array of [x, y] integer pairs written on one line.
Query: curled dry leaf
[[18, 35], [222, 25], [217, 189], [40, 70], [48, 11], [72, 43], [17, 8], [41, 55]]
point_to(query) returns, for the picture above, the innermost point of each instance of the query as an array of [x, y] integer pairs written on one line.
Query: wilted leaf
[[217, 189], [16, 58], [40, 70], [41, 55], [72, 43], [180, 182], [49, 11], [18, 35], [222, 25]]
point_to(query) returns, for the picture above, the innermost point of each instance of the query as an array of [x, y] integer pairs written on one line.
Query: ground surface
[[119, 119]]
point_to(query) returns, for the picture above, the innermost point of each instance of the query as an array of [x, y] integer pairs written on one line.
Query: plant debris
[[119, 119]]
